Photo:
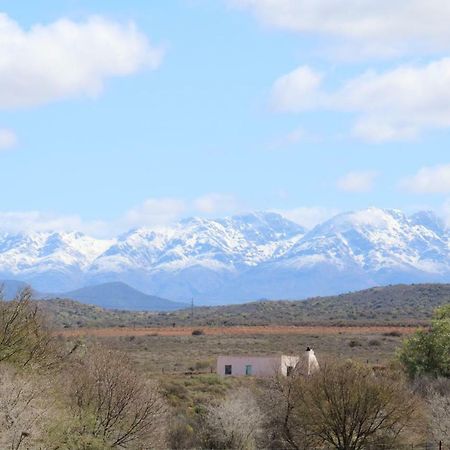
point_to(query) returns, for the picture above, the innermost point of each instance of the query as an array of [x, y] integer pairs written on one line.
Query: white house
[[267, 366], [259, 366]]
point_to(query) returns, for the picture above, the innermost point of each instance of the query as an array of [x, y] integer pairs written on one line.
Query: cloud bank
[[153, 212], [373, 27], [429, 180], [397, 104]]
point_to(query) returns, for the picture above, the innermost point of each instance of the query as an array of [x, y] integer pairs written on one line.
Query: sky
[[116, 114]]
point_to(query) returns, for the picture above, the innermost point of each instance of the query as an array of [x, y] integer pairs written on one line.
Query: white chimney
[[312, 364]]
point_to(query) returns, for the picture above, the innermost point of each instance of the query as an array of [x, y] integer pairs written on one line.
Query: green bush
[[427, 352]]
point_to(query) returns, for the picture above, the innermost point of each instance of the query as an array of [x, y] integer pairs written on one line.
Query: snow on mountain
[[374, 239], [241, 257], [195, 256], [40, 257], [224, 244], [354, 251]]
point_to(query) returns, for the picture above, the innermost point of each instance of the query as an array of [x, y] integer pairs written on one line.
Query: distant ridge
[[404, 305], [117, 295]]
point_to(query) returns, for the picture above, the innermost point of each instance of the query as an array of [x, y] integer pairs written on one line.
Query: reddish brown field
[[233, 331]]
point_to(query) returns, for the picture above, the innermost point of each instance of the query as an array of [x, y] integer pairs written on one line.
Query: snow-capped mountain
[[196, 257], [239, 258], [45, 259]]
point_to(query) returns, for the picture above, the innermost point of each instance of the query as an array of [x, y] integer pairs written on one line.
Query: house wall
[[288, 361], [262, 366]]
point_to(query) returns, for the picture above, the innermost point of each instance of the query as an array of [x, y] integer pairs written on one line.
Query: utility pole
[[192, 311]]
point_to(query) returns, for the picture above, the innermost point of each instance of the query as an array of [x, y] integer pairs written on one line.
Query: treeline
[[57, 394]]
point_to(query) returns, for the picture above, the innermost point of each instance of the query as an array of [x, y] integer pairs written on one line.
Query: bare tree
[[24, 338], [235, 423], [345, 406], [114, 404], [286, 422], [24, 410], [350, 407]]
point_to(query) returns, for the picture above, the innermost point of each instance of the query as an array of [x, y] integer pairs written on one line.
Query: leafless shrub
[[438, 400], [345, 406], [24, 410], [286, 423], [24, 338], [439, 407], [113, 404], [236, 423]]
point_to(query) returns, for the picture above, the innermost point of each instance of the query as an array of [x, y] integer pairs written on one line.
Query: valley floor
[[176, 351], [233, 331]]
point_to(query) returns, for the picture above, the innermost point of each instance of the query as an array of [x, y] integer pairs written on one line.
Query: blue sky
[[118, 114]]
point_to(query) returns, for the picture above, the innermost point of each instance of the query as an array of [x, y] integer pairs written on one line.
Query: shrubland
[[58, 393], [404, 305]]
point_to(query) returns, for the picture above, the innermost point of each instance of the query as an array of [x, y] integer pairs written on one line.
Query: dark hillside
[[117, 295], [395, 305]]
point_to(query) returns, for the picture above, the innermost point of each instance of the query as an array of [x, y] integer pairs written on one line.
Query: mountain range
[[244, 257]]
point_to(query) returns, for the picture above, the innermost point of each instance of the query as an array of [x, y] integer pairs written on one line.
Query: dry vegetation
[[141, 388], [186, 353]]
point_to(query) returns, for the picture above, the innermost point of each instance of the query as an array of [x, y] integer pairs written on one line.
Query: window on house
[[248, 369], [228, 369], [289, 370]]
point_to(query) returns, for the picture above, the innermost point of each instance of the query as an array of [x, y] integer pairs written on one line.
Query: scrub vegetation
[[106, 391], [392, 305]]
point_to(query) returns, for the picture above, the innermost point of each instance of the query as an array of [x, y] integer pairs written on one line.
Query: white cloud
[[309, 217], [298, 90], [153, 212], [8, 139], [215, 203], [27, 221], [397, 104], [429, 180], [361, 181], [65, 59], [380, 27]]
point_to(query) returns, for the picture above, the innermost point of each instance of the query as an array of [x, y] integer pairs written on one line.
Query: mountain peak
[[245, 256]]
